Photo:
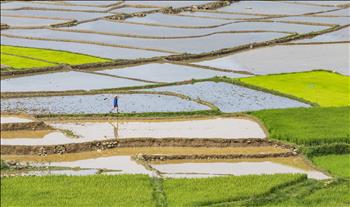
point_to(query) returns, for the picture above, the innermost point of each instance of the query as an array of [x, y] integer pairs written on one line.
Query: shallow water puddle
[[63, 81], [271, 8], [228, 128], [166, 72], [287, 58], [89, 49], [216, 168], [100, 103], [124, 164], [232, 98], [13, 119], [190, 45], [22, 21]]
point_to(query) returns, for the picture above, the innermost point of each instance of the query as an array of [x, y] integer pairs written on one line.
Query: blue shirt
[[115, 102]]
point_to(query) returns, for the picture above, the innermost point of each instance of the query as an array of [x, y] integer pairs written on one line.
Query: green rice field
[[25, 57], [321, 87], [307, 125]]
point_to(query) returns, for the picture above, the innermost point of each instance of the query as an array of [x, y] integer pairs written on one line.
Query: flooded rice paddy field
[[123, 164], [22, 21], [223, 128], [318, 19], [340, 35], [100, 104], [161, 34], [272, 8], [289, 58], [189, 45], [228, 128], [176, 21], [125, 28], [166, 72], [94, 50], [64, 81], [196, 169], [14, 119], [75, 15], [175, 4], [38, 5], [232, 98]]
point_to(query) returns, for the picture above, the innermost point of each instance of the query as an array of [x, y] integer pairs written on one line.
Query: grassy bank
[[309, 193], [322, 87], [337, 165], [97, 190], [307, 125]]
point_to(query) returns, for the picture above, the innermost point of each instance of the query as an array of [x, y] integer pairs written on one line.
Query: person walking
[[115, 104]]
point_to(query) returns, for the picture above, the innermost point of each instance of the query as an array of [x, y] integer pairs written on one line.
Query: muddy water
[[258, 167], [50, 138], [101, 103], [26, 134], [95, 50], [149, 150], [64, 81], [167, 72], [233, 98], [15, 21], [14, 119], [190, 45], [124, 164], [270, 8], [288, 58], [229, 128]]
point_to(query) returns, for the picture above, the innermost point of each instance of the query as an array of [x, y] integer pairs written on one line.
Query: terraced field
[[219, 103]]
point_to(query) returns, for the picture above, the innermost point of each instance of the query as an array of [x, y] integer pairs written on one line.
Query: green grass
[[321, 87], [308, 125], [97, 190], [20, 62], [338, 165], [309, 193], [54, 56], [205, 191]]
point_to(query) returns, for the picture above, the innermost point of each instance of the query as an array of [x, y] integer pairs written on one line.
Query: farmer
[[115, 104]]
